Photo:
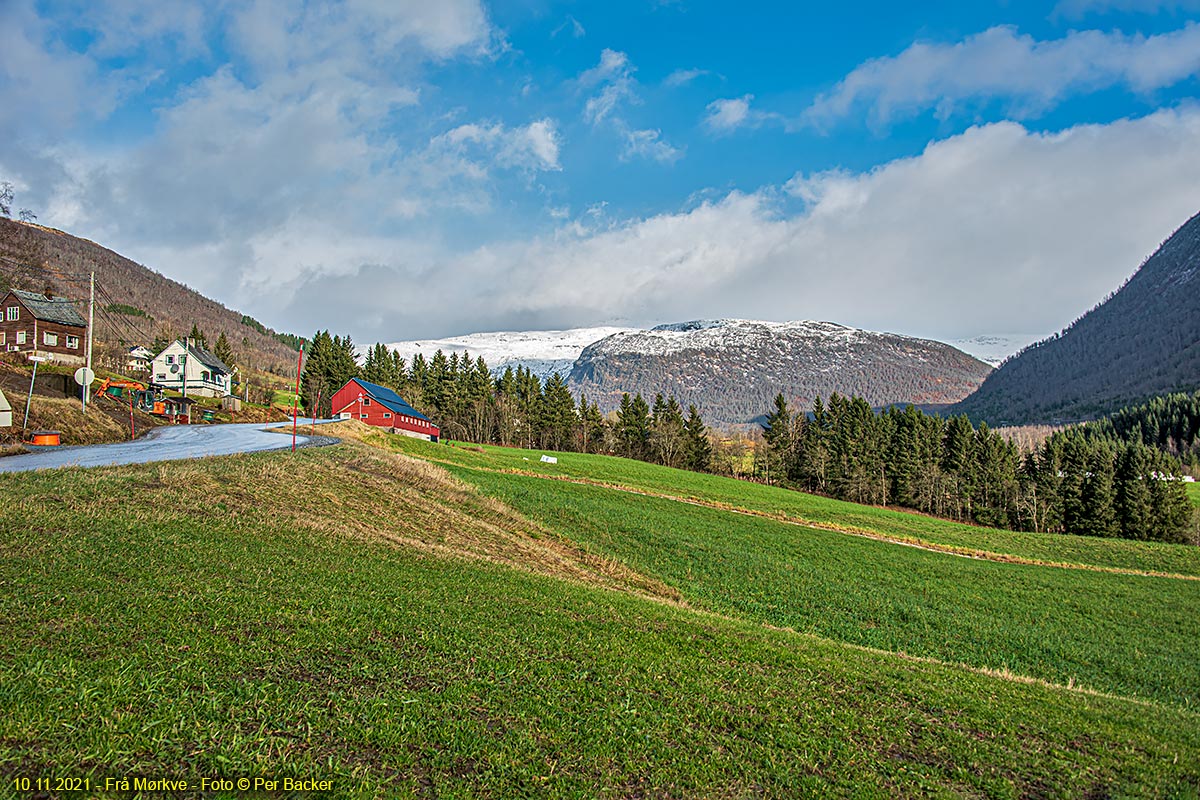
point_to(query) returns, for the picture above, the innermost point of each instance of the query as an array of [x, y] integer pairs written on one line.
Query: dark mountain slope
[[137, 303], [1141, 342]]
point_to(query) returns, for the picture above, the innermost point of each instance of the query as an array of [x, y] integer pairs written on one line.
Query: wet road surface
[[170, 443]]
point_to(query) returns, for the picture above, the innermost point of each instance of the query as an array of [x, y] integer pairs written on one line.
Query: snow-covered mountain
[[542, 352], [732, 369], [994, 348]]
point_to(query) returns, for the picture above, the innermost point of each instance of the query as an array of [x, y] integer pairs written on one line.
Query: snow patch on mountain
[[994, 348], [725, 334], [541, 352]]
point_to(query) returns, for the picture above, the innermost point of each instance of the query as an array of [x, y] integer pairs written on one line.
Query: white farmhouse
[[205, 374], [138, 358]]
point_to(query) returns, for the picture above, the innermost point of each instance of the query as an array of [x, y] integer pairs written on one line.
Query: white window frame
[[12, 314], [170, 359], [21, 337], [72, 342], [49, 339], [364, 416], [3, 337], [387, 415]]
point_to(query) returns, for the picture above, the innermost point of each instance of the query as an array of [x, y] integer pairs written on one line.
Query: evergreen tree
[[780, 436], [812, 456], [698, 448], [633, 427], [559, 419], [197, 337], [223, 351], [591, 426], [1134, 504]]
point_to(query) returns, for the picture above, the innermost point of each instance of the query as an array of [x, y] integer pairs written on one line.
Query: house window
[[20, 337], [2, 338], [12, 313], [49, 338], [162, 376], [386, 415], [366, 401], [73, 342], [170, 359], [363, 416]]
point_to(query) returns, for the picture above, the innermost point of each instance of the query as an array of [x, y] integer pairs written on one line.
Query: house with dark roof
[[380, 406], [188, 368], [35, 324]]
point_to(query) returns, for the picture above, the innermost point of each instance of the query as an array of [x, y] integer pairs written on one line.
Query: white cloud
[[649, 144], [577, 29], [614, 65], [999, 228], [1028, 76], [613, 76], [727, 115], [682, 77], [531, 147]]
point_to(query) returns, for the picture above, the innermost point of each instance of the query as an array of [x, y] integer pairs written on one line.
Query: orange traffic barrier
[[45, 439]]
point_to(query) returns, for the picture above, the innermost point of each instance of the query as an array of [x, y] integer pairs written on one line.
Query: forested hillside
[[1142, 341], [135, 304]]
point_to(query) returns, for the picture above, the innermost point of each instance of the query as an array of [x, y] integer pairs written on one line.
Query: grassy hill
[[476, 630]]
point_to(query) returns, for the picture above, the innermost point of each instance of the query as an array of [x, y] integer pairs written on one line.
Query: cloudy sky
[[400, 169]]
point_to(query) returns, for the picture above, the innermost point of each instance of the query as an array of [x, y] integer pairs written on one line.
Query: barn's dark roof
[[51, 309], [390, 399]]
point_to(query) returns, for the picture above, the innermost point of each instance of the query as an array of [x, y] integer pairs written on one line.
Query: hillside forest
[[1087, 481], [1092, 482]]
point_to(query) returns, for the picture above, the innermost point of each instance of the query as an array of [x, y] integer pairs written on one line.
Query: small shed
[[5, 411]]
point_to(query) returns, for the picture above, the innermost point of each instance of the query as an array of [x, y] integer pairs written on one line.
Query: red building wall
[[371, 412]]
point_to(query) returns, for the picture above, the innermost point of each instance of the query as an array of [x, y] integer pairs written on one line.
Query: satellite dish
[[84, 376]]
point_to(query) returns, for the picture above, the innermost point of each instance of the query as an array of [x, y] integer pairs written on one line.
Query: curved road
[[170, 443]]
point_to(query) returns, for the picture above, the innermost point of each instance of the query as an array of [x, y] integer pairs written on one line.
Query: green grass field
[[1194, 493], [345, 614], [797, 506]]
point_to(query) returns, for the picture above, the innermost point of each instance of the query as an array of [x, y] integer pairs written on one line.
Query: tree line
[[1170, 423], [517, 409], [1076, 482]]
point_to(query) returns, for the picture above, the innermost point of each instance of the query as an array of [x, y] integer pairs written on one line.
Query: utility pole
[[87, 387], [36, 360], [296, 398]]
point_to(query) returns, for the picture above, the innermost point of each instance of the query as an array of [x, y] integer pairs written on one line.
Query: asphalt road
[[170, 443]]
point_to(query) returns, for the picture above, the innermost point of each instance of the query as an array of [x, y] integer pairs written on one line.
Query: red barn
[[380, 406]]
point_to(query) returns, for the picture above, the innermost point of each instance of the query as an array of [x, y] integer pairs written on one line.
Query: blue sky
[[409, 170]]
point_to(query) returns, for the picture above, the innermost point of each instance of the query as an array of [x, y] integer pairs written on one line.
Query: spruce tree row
[[516, 409], [1077, 482], [1170, 423]]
